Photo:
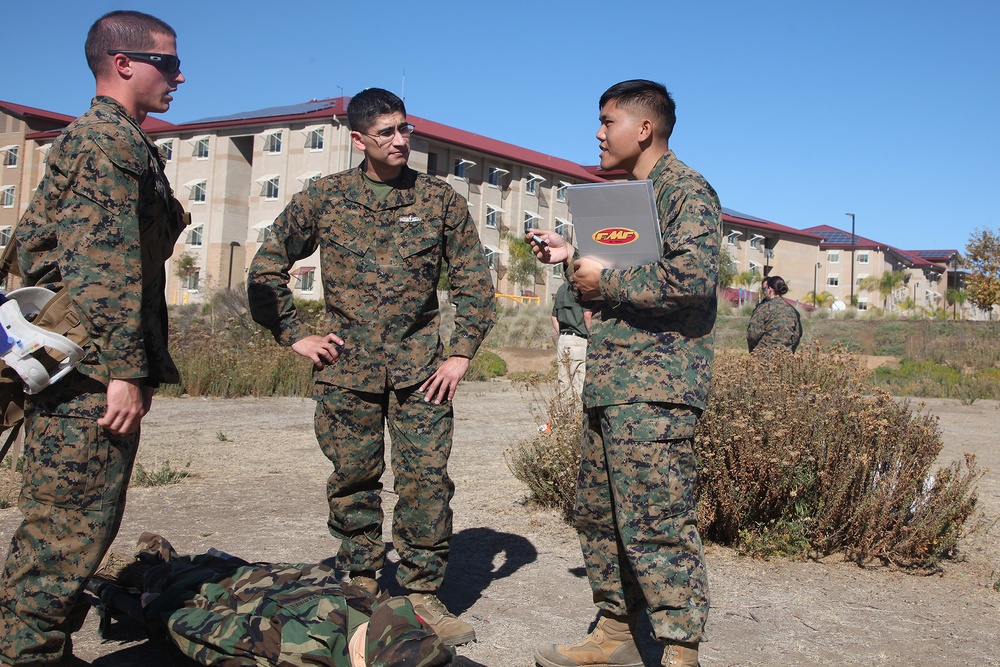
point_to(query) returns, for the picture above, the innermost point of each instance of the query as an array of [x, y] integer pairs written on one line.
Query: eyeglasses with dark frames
[[165, 62], [404, 129]]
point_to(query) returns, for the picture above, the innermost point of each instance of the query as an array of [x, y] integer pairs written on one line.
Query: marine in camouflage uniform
[[649, 368], [775, 324], [101, 223], [384, 233]]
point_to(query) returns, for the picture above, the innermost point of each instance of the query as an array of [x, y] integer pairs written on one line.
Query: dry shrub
[[801, 454], [548, 461], [798, 455]]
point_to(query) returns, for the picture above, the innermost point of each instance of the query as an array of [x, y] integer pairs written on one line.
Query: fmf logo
[[615, 235]]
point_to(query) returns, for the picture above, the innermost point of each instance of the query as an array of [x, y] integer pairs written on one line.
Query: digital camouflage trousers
[[635, 514], [350, 427], [72, 500]]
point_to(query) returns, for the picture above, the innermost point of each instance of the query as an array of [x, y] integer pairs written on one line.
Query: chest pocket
[[416, 236]]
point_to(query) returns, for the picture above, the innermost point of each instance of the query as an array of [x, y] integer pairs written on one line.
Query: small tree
[[982, 257], [184, 266], [956, 297], [746, 279], [727, 270], [821, 300], [886, 285], [523, 268]]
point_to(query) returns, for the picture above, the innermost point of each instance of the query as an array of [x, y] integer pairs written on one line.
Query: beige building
[[236, 173]]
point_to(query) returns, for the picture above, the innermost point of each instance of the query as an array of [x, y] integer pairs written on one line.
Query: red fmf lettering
[[615, 235]]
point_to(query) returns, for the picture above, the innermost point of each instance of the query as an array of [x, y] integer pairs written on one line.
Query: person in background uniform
[[572, 325], [384, 233], [775, 323], [649, 367], [101, 224]]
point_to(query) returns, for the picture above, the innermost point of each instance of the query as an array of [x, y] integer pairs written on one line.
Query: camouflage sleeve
[[690, 218], [469, 279], [757, 327], [97, 223], [292, 237]]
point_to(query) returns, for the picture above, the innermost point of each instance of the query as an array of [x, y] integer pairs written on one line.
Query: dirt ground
[[257, 490]]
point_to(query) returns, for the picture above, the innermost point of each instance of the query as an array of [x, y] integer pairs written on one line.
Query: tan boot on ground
[[681, 654], [451, 630], [609, 645]]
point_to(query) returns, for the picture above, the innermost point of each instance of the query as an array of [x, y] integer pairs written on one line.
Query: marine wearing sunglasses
[[165, 62]]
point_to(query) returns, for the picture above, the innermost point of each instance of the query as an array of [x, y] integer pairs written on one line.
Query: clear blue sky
[[796, 111]]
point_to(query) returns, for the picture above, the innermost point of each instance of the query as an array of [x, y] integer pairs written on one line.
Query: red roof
[[31, 113], [737, 218]]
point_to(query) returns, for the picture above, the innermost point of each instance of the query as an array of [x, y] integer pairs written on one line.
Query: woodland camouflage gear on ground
[[223, 610]]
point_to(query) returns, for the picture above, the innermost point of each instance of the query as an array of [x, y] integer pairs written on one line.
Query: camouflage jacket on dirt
[[652, 337], [221, 610], [775, 324], [103, 222], [379, 263]]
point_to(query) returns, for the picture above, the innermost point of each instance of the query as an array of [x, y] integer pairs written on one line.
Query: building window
[[491, 256], [557, 271], [564, 229], [7, 195], [199, 191], [194, 236], [755, 268], [757, 242], [496, 176], [461, 165], [269, 189], [309, 178], [492, 217], [734, 238], [833, 257], [304, 282], [272, 142], [432, 164], [531, 186], [561, 191], [860, 278], [192, 280], [5, 235], [314, 140], [201, 148], [532, 220], [862, 258], [10, 156], [862, 303], [166, 147], [833, 280]]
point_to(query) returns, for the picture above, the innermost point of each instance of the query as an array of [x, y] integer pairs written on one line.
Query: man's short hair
[[122, 30], [646, 96], [369, 104]]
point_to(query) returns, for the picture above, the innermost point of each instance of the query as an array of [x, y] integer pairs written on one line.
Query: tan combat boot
[[451, 630], [609, 645], [680, 654]]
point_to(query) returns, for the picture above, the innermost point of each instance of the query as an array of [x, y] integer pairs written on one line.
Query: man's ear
[[121, 65], [358, 141], [645, 129]]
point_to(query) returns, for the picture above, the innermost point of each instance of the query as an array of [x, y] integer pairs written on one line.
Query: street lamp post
[[853, 242], [815, 270]]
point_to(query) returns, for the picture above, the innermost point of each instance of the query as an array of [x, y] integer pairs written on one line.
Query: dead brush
[[798, 455], [801, 454]]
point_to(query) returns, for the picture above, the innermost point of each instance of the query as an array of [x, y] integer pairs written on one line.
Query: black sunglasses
[[165, 62]]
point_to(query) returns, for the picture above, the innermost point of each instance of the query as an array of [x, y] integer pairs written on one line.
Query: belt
[[572, 333]]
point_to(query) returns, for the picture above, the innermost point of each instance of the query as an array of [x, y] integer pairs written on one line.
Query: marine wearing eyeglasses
[[101, 224], [384, 234]]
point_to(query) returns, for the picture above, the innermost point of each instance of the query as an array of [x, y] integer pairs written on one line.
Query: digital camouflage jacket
[[774, 324], [102, 223], [652, 336], [380, 263]]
